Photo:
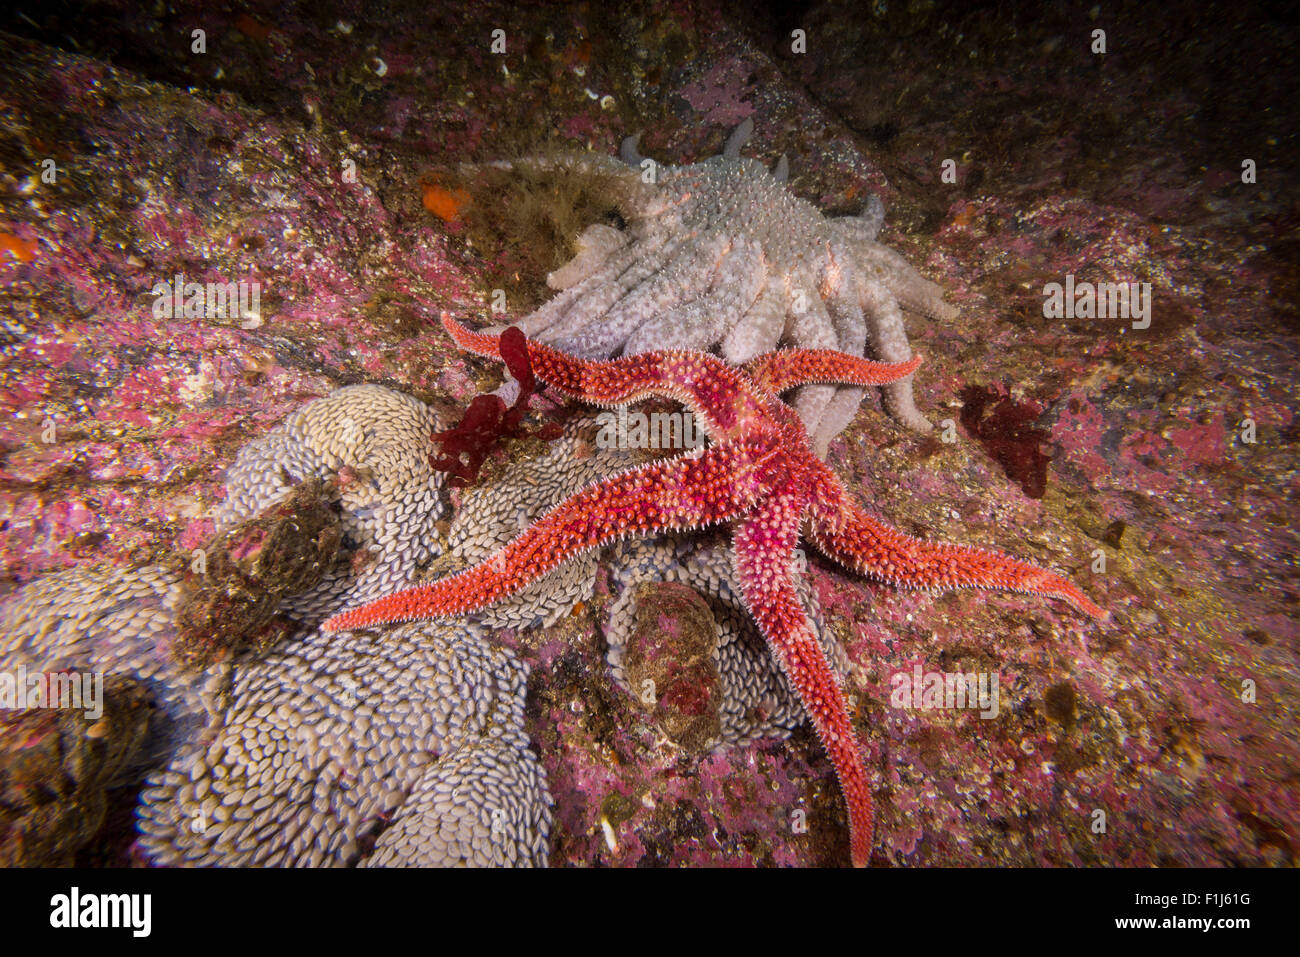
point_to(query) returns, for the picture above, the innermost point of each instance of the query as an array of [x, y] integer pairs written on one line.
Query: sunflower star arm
[[764, 555], [781, 370], [849, 535], [686, 492]]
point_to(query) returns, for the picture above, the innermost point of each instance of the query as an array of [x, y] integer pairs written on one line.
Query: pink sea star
[[760, 474]]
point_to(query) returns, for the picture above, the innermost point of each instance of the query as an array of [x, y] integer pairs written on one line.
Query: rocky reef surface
[[322, 159]]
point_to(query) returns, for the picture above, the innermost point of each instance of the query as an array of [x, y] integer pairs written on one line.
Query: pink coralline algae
[[1204, 444], [720, 95]]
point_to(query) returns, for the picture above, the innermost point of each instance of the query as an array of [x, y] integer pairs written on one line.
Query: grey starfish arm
[[629, 150], [596, 244], [812, 329], [625, 272], [837, 415], [844, 303], [738, 138], [851, 328], [781, 172], [913, 291], [536, 323], [699, 324], [591, 298], [759, 329], [872, 216], [889, 340], [686, 276], [899, 403]]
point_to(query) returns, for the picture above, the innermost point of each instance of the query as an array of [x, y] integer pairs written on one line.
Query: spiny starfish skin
[[759, 474], [496, 509], [719, 253]]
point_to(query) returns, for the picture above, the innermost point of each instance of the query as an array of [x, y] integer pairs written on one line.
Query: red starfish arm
[[480, 343], [684, 492], [777, 371], [764, 545], [612, 381], [849, 535], [718, 393]]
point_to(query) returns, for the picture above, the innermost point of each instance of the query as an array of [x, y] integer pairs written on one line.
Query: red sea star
[[760, 475]]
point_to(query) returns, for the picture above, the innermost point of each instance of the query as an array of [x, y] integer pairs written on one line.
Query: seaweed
[[488, 419]]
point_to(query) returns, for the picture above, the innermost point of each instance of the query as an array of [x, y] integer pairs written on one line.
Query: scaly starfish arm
[[763, 551], [685, 492], [777, 371], [719, 394], [849, 535]]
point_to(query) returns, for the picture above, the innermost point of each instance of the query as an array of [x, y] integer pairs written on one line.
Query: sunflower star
[[720, 253], [761, 477]]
